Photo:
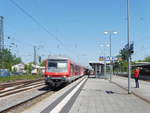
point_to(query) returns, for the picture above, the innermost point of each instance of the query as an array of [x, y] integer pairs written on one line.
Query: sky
[[74, 28]]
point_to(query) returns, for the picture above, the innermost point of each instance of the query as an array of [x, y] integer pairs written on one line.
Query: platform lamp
[[110, 33]]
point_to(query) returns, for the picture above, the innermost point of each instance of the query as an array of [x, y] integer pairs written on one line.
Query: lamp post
[[110, 35], [106, 45], [129, 56]]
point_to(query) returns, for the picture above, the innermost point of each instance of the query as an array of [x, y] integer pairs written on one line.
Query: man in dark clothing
[[136, 76]]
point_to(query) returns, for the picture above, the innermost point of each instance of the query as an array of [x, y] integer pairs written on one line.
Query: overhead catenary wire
[[38, 23], [35, 21], [42, 26]]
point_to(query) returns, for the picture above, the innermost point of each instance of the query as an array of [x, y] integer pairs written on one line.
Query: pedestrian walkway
[[142, 92], [102, 96], [94, 95]]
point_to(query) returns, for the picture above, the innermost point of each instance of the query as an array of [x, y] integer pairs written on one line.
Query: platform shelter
[[101, 69]]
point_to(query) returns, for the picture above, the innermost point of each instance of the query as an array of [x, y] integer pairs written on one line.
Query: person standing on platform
[[136, 76]]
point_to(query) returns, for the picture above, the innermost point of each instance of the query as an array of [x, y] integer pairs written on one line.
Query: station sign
[[108, 58], [101, 58]]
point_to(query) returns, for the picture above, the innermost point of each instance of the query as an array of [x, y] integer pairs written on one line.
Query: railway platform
[[92, 95], [143, 92]]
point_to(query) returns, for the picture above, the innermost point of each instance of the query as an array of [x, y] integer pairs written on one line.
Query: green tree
[[43, 63], [7, 59], [124, 54], [122, 65], [28, 67], [147, 59]]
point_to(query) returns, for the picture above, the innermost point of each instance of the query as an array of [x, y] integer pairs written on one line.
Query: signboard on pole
[[108, 58]]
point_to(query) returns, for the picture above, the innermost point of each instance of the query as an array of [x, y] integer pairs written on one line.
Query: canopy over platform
[[101, 69]]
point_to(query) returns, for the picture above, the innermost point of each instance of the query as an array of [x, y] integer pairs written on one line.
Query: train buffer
[[93, 95]]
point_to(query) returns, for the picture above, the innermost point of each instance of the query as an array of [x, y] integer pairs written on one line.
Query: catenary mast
[[1, 34]]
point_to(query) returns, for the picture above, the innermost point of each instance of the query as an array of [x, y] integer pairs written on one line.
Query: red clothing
[[136, 73]]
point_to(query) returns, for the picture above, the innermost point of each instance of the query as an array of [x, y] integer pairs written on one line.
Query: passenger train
[[60, 71]]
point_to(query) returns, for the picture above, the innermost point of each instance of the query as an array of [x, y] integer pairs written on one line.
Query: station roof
[[98, 62]]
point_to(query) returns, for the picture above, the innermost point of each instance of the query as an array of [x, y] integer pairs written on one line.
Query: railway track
[[20, 89], [17, 83], [27, 103], [13, 87]]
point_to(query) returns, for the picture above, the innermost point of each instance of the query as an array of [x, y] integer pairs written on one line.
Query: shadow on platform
[[105, 91]]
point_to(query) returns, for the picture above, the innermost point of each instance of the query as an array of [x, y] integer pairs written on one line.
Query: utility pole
[[35, 55], [1, 34], [1, 41], [129, 55], [111, 62]]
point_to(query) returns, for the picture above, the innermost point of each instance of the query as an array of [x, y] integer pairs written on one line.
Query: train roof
[[61, 57], [57, 57]]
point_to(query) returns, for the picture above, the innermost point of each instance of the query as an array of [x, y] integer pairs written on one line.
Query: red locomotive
[[60, 71]]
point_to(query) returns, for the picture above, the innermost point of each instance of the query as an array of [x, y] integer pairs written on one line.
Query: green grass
[[19, 77]]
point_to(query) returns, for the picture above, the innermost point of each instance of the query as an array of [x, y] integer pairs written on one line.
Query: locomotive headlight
[[64, 77], [48, 77]]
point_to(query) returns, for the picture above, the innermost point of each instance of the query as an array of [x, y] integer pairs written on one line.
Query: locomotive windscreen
[[57, 65]]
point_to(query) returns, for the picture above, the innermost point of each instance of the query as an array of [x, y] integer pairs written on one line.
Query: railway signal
[[129, 49]]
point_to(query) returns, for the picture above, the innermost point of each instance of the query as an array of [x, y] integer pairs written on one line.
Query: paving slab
[[95, 97], [143, 92]]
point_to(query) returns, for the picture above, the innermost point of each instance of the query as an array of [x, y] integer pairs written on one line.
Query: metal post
[[35, 56], [1, 33], [95, 71], [129, 56], [1, 42], [110, 44], [104, 63], [110, 56], [111, 63], [104, 67]]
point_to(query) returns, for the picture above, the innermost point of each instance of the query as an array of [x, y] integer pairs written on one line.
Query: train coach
[[60, 71]]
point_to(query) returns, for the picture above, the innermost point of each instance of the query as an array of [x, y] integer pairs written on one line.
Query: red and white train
[[60, 71]]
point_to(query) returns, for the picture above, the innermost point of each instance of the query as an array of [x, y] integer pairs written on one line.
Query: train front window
[[57, 66]]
